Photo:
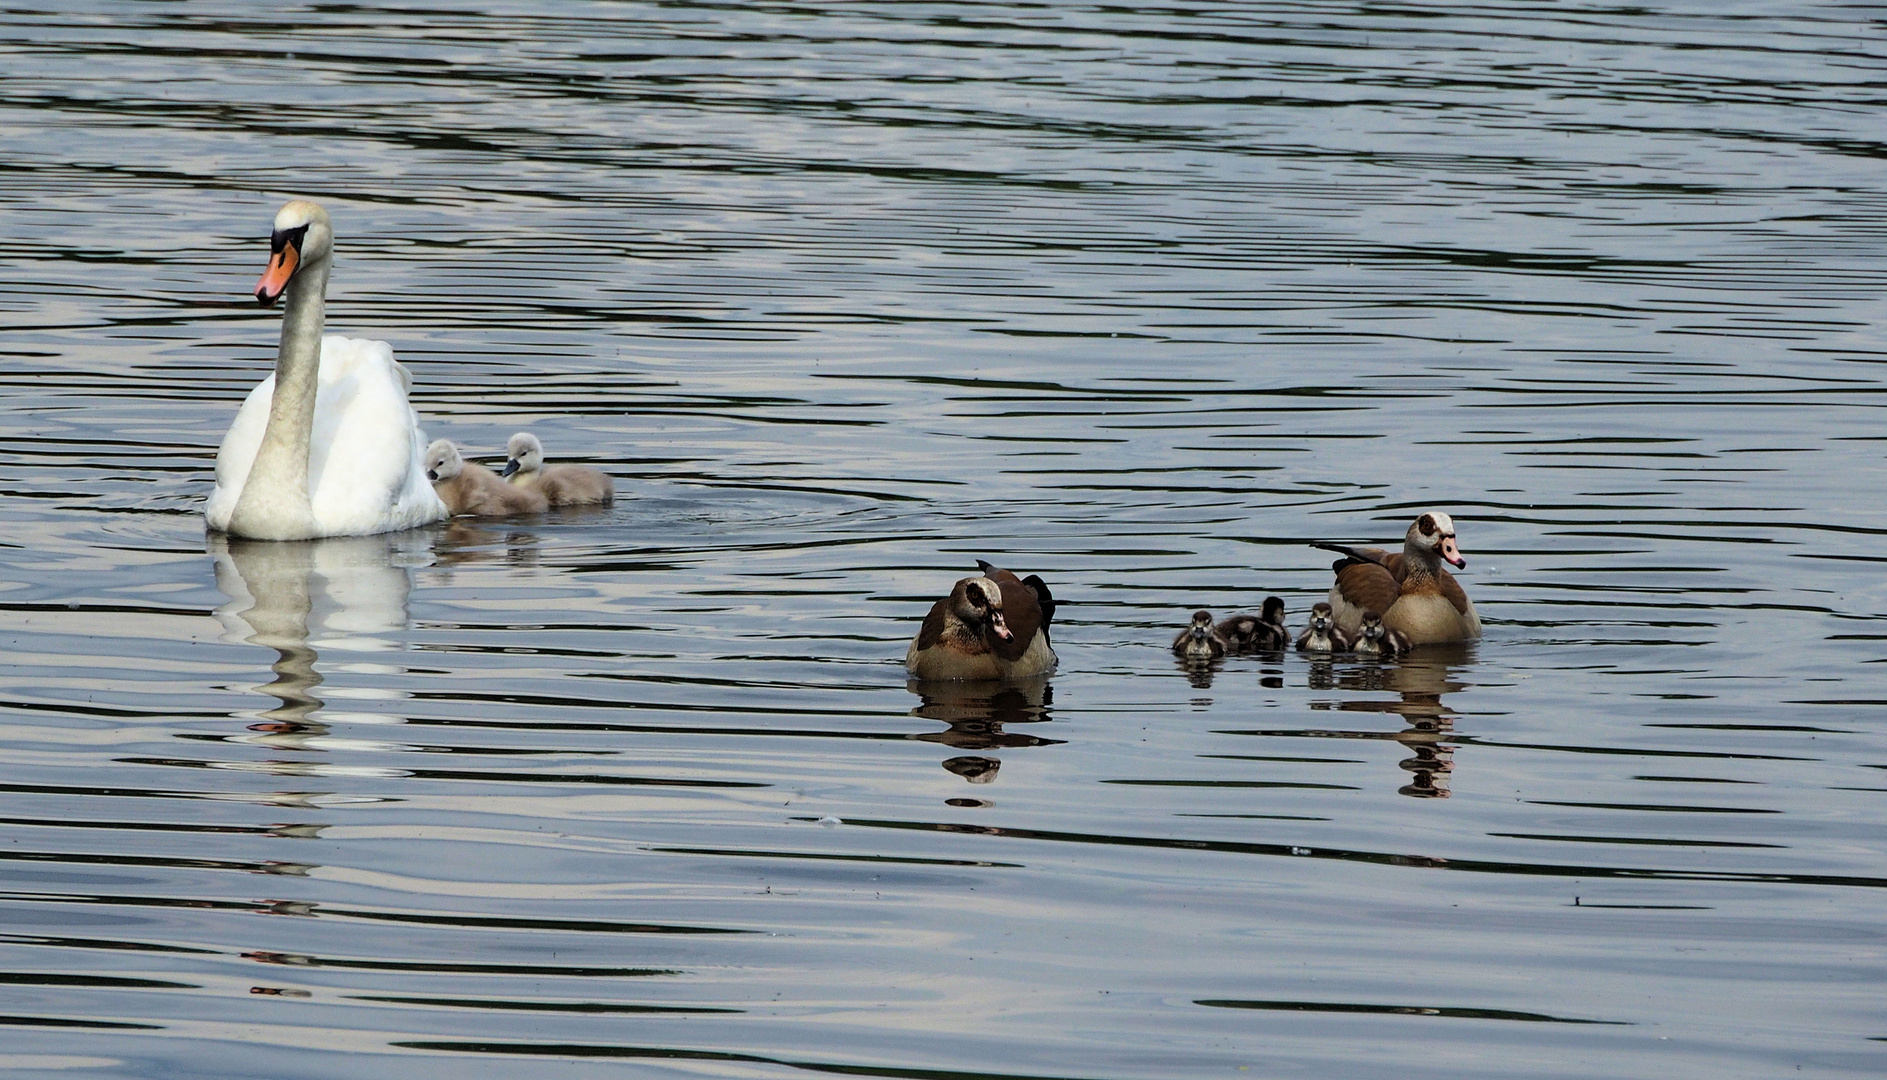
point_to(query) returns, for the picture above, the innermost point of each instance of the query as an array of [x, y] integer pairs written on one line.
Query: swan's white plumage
[[365, 468]]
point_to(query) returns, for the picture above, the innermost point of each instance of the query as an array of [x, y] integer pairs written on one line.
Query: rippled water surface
[[846, 296]]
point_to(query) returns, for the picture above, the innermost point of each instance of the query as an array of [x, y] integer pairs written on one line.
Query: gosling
[[1200, 641], [1322, 634], [1375, 639], [1263, 632]]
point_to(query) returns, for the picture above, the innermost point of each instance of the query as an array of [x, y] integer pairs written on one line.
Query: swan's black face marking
[[284, 261], [293, 236]]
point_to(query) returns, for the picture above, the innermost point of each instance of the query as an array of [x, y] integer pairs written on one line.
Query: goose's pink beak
[[1000, 628], [1452, 552]]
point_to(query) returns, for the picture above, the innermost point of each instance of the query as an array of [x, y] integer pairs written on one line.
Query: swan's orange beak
[[281, 267]]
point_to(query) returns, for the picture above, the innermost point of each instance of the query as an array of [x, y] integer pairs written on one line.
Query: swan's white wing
[[366, 471], [365, 463]]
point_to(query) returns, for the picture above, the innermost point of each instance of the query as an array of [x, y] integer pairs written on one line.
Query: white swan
[[338, 451]]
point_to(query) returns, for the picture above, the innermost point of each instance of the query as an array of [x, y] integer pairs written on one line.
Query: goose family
[[1381, 604], [1415, 595]]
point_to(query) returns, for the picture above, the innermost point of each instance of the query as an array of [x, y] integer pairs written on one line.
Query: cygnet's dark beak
[[511, 466], [433, 475]]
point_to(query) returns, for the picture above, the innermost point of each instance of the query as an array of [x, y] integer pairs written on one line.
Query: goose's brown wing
[[1452, 589], [1368, 586], [932, 630], [1390, 561]]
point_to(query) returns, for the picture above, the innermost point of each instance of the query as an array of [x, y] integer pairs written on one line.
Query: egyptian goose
[[989, 627], [1375, 639], [468, 488], [1263, 632], [563, 485], [1201, 640], [1322, 634], [1415, 595]]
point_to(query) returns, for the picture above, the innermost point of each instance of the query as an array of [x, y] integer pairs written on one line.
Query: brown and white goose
[[1263, 632], [989, 627], [1200, 641], [1415, 595]]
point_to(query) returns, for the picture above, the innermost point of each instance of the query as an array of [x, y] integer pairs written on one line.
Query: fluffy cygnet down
[[468, 488], [563, 485]]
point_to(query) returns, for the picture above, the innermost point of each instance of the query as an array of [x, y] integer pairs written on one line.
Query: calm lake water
[[1144, 300]]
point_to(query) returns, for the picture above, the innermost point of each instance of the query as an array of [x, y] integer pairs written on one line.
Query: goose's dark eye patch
[[287, 236], [975, 594]]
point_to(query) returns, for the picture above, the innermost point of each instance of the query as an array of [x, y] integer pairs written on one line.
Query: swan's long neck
[[275, 503]]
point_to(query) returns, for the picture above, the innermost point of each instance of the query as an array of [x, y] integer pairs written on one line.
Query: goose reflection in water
[[1199, 672], [301, 597], [1419, 680], [977, 714]]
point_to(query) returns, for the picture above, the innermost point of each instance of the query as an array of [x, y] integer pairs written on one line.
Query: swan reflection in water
[[978, 714], [344, 594]]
